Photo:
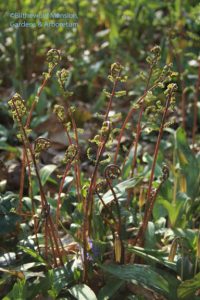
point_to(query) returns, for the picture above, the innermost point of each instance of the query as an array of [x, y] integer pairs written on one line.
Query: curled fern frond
[[59, 112], [40, 145], [165, 173], [112, 172], [18, 107], [92, 153], [101, 186], [63, 80], [71, 153], [116, 69], [53, 58]]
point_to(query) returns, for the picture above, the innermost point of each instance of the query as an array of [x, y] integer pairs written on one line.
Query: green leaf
[[82, 292], [153, 256], [188, 163], [3, 132], [162, 282], [18, 292], [150, 238], [120, 189], [128, 164], [188, 234], [58, 279], [8, 148], [45, 172], [188, 288], [33, 254], [111, 287], [174, 210]]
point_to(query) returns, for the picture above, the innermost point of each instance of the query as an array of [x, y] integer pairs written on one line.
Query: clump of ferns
[[149, 105], [99, 151], [153, 114], [19, 111], [22, 117]]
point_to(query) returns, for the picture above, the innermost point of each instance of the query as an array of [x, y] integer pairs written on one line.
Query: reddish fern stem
[[68, 166], [138, 130], [148, 211], [56, 238], [111, 98], [109, 211], [52, 246], [138, 133], [119, 223], [88, 205], [129, 115], [77, 165], [22, 176], [31, 196], [44, 202], [28, 121]]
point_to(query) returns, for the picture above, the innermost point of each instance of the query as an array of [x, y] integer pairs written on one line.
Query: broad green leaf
[[153, 256], [111, 287], [188, 163], [45, 172], [58, 279], [128, 164], [82, 292], [32, 253], [3, 132], [150, 239], [162, 282], [174, 209], [18, 292], [120, 189], [5, 146], [149, 159], [187, 289], [184, 265], [189, 235]]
